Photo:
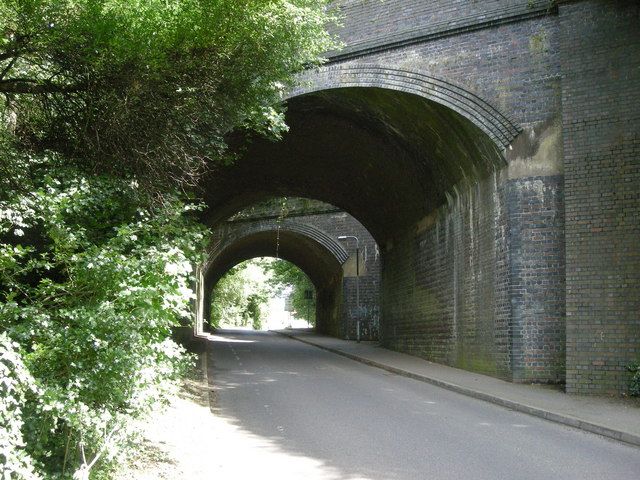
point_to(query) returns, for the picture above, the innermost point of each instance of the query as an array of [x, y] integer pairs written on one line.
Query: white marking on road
[[485, 424], [519, 425]]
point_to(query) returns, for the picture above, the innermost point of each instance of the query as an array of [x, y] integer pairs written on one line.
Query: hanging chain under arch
[[279, 222]]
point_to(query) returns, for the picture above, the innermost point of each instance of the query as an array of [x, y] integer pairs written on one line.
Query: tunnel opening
[[264, 293], [308, 234], [467, 245], [388, 158], [324, 272]]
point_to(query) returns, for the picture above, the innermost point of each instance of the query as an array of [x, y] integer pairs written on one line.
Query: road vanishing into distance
[[296, 411]]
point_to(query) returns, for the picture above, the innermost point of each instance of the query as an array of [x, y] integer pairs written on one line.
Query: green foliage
[[93, 279], [634, 383], [286, 277], [254, 310], [150, 87], [16, 384], [238, 299], [108, 109]]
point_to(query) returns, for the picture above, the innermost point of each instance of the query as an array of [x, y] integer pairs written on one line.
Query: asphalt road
[[327, 417]]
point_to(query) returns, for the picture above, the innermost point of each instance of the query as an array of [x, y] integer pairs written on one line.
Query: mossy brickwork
[[480, 283]]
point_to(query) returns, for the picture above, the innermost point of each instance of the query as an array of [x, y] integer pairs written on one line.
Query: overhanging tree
[[101, 103], [149, 87]]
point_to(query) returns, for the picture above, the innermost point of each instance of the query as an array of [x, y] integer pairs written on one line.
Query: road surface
[[294, 411]]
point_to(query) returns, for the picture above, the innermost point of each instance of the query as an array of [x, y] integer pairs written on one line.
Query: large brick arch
[[526, 266], [387, 150], [424, 166], [307, 237], [499, 127]]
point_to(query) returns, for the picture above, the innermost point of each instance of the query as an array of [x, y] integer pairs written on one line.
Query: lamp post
[[347, 237]]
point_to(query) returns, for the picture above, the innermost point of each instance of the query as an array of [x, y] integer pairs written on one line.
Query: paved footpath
[[615, 418]]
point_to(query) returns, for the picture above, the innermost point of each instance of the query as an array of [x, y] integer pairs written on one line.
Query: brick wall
[[535, 221], [445, 293], [482, 288], [601, 126], [337, 224], [515, 66], [480, 284], [371, 22]]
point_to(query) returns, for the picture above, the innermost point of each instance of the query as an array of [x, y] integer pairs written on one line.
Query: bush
[[94, 274], [93, 279], [239, 299], [16, 384]]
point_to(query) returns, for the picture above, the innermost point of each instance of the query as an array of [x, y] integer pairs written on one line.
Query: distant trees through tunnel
[[263, 293]]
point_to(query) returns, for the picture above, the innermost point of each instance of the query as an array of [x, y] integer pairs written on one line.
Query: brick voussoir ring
[[233, 233], [501, 129]]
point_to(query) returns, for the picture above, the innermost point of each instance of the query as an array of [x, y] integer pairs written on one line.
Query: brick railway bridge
[[487, 153]]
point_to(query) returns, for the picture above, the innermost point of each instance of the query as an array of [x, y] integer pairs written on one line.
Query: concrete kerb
[[516, 406]]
